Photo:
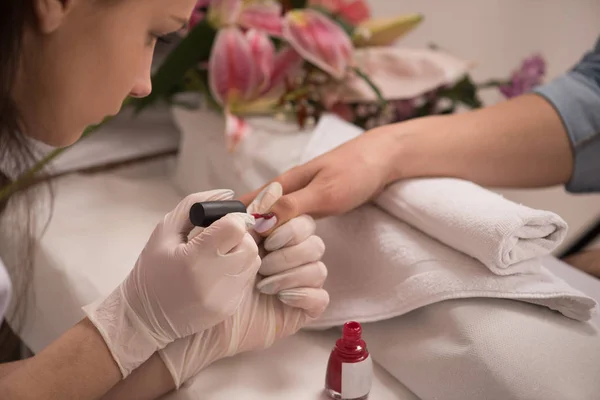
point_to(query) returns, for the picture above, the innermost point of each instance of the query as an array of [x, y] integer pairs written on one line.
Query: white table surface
[[100, 224]]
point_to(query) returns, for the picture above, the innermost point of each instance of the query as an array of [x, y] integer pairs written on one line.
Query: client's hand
[[289, 296], [178, 286], [337, 181]]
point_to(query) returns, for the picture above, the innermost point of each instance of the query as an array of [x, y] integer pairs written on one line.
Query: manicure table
[[101, 222]]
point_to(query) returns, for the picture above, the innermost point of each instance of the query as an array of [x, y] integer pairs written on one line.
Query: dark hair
[[16, 154]]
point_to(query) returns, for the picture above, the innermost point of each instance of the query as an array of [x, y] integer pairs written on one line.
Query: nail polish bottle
[[350, 368]]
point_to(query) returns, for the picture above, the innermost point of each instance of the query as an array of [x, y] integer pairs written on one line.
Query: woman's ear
[[50, 14]]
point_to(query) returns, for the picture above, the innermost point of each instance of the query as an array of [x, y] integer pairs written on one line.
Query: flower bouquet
[[299, 59]]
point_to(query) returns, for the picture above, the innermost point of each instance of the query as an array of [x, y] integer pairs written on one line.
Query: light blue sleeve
[[576, 97]]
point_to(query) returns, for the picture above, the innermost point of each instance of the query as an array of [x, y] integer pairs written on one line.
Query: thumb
[[177, 222]]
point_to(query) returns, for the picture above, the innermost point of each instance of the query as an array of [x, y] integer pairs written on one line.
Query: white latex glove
[[178, 286], [294, 278]]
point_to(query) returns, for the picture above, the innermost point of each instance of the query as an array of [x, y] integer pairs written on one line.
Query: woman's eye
[[164, 39], [154, 38]]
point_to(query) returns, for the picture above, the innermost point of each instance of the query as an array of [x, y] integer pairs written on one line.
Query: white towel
[[380, 268], [480, 223]]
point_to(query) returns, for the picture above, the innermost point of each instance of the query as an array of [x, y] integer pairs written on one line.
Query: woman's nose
[[142, 87], [143, 84]]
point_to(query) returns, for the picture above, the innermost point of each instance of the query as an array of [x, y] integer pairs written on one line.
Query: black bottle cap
[[205, 213]]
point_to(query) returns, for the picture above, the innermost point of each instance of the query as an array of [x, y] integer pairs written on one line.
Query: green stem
[[382, 101], [491, 83]]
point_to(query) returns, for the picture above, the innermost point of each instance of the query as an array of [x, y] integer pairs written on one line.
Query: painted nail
[[263, 225]]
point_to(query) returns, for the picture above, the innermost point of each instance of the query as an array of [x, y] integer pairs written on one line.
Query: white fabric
[[480, 223], [5, 290], [480, 349], [380, 268]]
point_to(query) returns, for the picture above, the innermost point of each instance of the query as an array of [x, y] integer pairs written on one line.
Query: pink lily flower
[[199, 13], [353, 11], [319, 40], [264, 15], [245, 75]]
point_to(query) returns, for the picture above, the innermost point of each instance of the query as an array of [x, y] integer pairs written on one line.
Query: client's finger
[[310, 250], [309, 275], [312, 301], [290, 181], [308, 200]]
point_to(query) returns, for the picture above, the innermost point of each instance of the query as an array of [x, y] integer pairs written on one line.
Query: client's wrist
[[402, 147]]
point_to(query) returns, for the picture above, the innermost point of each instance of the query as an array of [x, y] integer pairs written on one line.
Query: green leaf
[[465, 92], [194, 48], [372, 85]]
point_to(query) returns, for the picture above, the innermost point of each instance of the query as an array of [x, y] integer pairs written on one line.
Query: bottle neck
[[351, 342]]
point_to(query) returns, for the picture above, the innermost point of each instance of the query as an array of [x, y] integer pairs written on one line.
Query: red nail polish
[[350, 368], [263, 216]]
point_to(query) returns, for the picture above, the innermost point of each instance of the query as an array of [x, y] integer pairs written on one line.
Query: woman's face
[[82, 58]]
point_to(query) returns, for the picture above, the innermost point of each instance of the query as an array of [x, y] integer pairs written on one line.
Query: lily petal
[[319, 40], [222, 13], [236, 129], [263, 52], [262, 15], [233, 74], [353, 11], [286, 63], [401, 73]]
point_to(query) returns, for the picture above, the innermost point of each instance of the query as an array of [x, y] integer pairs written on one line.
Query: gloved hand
[[289, 297], [178, 286]]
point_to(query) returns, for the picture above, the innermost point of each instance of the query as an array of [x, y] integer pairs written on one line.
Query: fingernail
[[290, 296], [264, 224], [268, 288], [265, 199]]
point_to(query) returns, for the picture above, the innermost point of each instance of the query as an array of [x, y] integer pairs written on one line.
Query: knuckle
[[289, 204]]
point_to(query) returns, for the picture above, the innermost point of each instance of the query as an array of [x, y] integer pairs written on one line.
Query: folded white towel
[[380, 267], [480, 223]]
